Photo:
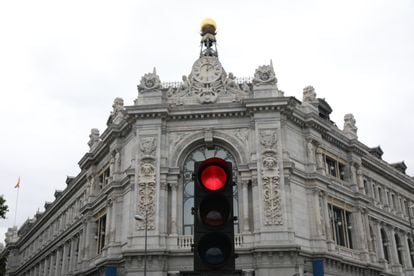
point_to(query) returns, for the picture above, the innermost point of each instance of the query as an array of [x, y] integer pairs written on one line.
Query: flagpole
[[17, 200]]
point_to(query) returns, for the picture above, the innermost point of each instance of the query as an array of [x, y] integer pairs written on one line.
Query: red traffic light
[[214, 174], [213, 178]]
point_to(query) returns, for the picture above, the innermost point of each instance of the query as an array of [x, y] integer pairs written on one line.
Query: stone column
[[163, 205], [58, 268], [360, 233], [256, 206], [405, 250], [72, 255], [65, 258], [53, 264], [245, 196], [112, 233], [392, 246], [174, 188], [380, 249]]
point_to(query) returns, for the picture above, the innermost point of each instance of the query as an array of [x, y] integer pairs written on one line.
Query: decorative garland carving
[[147, 182], [271, 178]]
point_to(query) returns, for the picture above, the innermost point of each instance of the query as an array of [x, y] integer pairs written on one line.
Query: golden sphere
[[208, 23]]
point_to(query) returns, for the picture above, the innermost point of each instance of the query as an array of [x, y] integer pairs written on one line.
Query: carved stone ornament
[[265, 74], [146, 194], [207, 82], [93, 137], [148, 145], [270, 178], [118, 106], [149, 82], [350, 125], [309, 94], [268, 139]]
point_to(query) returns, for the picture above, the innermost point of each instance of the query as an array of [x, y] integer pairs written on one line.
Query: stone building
[[306, 189]]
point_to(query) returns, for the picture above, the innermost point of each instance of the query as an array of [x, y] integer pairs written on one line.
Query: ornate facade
[[305, 189]]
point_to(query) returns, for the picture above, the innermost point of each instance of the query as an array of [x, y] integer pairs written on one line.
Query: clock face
[[207, 69]]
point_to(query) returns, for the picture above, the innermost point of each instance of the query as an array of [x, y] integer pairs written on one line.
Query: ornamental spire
[[208, 38]]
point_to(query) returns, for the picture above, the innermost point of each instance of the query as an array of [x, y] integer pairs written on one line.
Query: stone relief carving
[[93, 137], [174, 138], [147, 145], [268, 138], [146, 194], [116, 161], [310, 146], [242, 135], [309, 94], [206, 83], [147, 181], [271, 178], [350, 126], [321, 196], [265, 74], [149, 82]]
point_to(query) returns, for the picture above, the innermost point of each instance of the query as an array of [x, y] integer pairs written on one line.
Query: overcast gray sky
[[63, 62]]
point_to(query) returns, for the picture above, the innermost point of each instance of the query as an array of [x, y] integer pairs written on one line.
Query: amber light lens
[[213, 177]]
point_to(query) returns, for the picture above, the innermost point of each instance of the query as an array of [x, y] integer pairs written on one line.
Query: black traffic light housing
[[213, 216]]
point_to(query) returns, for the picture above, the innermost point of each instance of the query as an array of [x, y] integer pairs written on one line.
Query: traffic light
[[213, 216]]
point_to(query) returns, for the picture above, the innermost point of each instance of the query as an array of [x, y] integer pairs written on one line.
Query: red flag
[[18, 183]]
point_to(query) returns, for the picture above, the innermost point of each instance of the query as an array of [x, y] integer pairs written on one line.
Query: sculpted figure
[[118, 105], [93, 137], [350, 124], [309, 94]]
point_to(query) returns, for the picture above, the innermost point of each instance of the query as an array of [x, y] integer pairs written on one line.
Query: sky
[[62, 63]]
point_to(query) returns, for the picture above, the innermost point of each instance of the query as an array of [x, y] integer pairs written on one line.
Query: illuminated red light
[[213, 177]]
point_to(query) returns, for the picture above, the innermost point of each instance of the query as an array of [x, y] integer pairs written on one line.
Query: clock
[[207, 69]]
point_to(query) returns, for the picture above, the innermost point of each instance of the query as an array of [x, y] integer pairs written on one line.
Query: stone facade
[[306, 190]]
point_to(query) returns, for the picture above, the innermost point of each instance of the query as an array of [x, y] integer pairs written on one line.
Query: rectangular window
[[341, 225], [334, 168], [100, 233], [380, 195], [366, 187], [104, 178]]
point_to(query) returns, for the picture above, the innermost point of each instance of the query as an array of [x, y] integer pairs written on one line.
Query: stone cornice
[[67, 193], [70, 232], [388, 172]]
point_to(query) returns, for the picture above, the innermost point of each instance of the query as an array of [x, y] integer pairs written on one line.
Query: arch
[[201, 153], [190, 142]]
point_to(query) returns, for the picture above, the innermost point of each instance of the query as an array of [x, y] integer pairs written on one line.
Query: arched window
[[200, 154], [399, 249], [385, 243]]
